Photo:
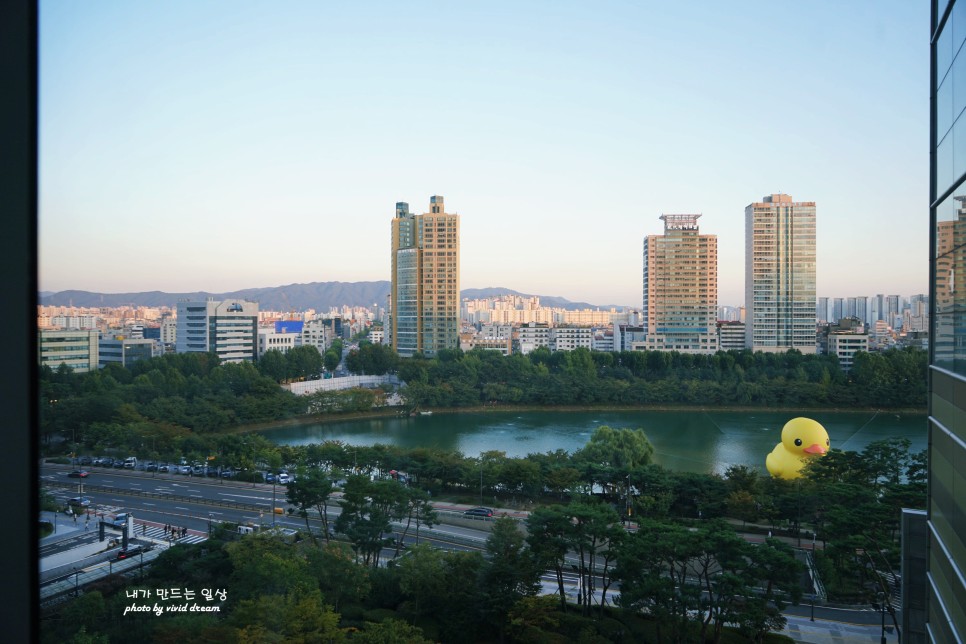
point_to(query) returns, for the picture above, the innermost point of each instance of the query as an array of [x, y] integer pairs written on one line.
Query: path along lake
[[692, 441]]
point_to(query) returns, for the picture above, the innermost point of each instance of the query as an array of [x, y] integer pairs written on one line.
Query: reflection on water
[[695, 441]]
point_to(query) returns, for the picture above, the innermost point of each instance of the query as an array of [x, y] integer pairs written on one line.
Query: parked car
[[269, 477], [131, 462], [130, 551], [478, 512], [185, 469], [85, 460], [284, 478], [227, 473], [79, 502], [151, 467], [164, 467], [78, 474], [118, 464]]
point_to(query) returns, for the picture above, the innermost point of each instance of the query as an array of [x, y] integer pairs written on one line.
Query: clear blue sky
[[223, 145]]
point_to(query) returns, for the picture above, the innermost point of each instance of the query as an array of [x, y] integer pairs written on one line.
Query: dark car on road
[[130, 551], [78, 474], [478, 512]]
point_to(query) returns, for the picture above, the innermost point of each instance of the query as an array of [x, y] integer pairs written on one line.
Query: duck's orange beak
[[815, 448]]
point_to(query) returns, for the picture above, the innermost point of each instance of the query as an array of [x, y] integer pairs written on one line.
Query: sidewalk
[[805, 631]]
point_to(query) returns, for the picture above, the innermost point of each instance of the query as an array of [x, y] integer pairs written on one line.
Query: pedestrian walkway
[[805, 631], [157, 534]]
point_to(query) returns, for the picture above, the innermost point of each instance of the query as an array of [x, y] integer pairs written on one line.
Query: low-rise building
[[75, 348], [126, 351]]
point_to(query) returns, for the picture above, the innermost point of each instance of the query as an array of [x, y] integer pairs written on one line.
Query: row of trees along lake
[[683, 575], [180, 397]]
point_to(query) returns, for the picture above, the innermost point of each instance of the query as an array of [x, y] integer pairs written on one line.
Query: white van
[[130, 463]]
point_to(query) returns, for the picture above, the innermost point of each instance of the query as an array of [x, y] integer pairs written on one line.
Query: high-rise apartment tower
[[425, 292], [681, 287], [780, 274]]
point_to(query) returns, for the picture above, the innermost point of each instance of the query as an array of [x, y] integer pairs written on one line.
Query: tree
[[510, 573], [303, 362], [622, 449], [547, 531], [274, 365], [340, 578], [391, 631], [367, 507], [331, 360], [311, 488]]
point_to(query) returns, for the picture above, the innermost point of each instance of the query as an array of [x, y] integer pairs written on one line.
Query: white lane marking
[[178, 508], [145, 503]]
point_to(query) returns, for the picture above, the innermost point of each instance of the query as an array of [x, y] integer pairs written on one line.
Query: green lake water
[[694, 441]]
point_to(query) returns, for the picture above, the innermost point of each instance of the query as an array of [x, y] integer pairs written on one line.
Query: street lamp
[[481, 480], [209, 525], [813, 607], [881, 606]]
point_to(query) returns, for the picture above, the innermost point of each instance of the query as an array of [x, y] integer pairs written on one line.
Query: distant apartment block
[[76, 349], [470, 341], [603, 340], [85, 322], [780, 274], [425, 290], [681, 287], [227, 328], [844, 339], [630, 337], [731, 336], [532, 336], [568, 338]]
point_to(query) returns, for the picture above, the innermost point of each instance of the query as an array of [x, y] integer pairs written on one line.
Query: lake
[[694, 441]]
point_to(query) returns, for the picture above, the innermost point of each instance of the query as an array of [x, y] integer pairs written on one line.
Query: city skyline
[[183, 151]]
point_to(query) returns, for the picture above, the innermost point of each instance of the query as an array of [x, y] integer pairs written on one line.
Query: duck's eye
[[798, 442], [827, 443]]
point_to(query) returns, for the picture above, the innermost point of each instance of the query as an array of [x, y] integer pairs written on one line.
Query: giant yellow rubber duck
[[802, 438]]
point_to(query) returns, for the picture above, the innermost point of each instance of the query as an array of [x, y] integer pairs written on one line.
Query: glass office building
[[945, 583]]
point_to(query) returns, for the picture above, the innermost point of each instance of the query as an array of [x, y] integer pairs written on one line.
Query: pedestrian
[[87, 524], [184, 532], [75, 517], [144, 528]]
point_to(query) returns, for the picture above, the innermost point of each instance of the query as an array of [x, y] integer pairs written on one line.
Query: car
[[284, 478], [269, 477], [121, 519], [102, 460], [151, 467], [227, 473], [79, 474], [185, 469], [118, 464], [130, 551], [79, 502], [478, 512], [164, 467], [85, 460]]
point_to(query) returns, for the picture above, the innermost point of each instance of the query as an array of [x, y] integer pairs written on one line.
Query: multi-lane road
[[198, 502]]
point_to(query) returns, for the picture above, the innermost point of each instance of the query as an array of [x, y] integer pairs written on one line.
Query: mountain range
[[320, 296]]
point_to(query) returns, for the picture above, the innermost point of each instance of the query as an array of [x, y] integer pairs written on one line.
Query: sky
[[216, 146]]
